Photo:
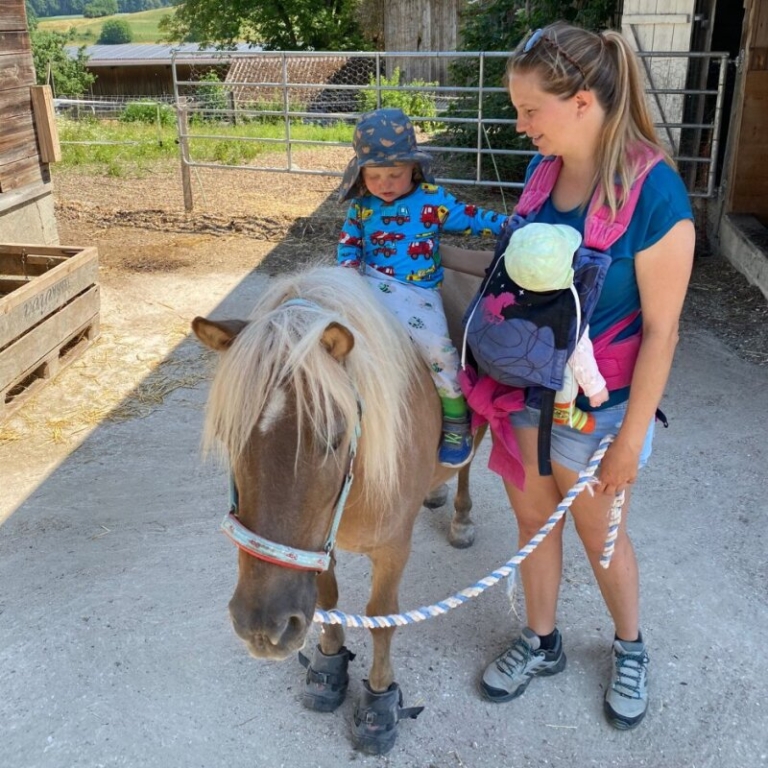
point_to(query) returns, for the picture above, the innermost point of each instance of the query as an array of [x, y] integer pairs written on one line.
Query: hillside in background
[[82, 31]]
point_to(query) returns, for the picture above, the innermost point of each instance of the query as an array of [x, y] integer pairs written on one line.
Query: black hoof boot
[[325, 685], [376, 716]]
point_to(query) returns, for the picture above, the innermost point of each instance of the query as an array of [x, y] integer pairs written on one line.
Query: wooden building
[[146, 69], [49, 294], [737, 213], [26, 201]]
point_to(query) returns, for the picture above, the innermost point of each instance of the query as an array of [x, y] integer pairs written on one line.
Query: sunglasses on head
[[530, 43], [538, 36]]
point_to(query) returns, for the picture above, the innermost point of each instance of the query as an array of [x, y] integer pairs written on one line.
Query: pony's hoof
[[325, 685], [437, 498], [376, 717], [462, 535]]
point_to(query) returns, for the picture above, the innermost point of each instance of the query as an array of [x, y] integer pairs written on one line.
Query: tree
[[115, 32], [32, 20], [67, 76], [499, 25], [290, 25], [98, 8]]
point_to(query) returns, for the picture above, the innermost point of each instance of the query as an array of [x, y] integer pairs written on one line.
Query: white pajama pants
[[420, 311]]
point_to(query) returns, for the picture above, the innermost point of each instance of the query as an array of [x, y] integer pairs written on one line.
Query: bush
[[115, 32], [498, 25], [68, 75], [148, 112], [211, 100], [413, 103]]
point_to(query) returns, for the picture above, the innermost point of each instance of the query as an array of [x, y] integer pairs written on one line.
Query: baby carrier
[[524, 339]]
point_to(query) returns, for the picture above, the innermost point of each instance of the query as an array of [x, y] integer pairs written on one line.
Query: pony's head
[[283, 409]]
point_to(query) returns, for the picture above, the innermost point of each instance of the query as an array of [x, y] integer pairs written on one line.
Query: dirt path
[[139, 225]]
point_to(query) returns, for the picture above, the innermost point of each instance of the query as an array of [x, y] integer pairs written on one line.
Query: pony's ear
[[338, 340], [217, 334]]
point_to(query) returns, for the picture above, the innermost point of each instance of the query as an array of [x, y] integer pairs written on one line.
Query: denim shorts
[[574, 449]]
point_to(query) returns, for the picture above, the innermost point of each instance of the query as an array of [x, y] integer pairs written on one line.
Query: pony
[[318, 386]]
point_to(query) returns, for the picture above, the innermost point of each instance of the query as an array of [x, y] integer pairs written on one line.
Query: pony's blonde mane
[[281, 345]]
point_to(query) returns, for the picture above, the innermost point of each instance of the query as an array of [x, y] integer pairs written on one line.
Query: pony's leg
[[326, 681], [388, 566], [379, 709], [462, 533], [437, 498], [331, 635]]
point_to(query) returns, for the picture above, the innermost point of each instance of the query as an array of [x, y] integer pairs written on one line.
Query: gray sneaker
[[626, 699], [507, 677]]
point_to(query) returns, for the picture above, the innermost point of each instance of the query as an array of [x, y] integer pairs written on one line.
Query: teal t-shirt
[[663, 202]]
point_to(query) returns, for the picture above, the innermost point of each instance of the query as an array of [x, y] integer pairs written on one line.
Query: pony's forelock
[[281, 346]]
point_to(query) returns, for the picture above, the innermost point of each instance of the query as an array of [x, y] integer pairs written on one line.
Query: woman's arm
[[463, 260], [663, 272]]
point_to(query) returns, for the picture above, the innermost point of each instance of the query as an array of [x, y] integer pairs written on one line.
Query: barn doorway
[[717, 26], [744, 172]]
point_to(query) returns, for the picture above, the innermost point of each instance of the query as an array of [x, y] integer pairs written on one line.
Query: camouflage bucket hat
[[383, 137]]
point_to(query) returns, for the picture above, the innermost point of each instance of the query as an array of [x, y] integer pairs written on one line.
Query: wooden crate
[[49, 315]]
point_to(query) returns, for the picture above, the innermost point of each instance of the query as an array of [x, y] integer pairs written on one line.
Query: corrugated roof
[[247, 73], [133, 54]]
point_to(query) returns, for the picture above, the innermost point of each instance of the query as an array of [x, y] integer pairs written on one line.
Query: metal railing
[[469, 129], [291, 88]]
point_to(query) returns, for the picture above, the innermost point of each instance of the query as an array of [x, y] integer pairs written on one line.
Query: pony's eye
[[335, 441]]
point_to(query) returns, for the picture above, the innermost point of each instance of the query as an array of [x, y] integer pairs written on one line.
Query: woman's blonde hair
[[569, 59]]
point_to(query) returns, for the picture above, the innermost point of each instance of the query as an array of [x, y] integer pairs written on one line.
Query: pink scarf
[[491, 404]]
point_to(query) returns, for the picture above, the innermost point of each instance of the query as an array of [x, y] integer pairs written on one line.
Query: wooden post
[[182, 121], [45, 123], [233, 106]]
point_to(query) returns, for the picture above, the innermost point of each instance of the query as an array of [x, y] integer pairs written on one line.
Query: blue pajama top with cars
[[402, 239]]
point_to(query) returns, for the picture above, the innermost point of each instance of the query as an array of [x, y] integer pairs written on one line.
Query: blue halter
[[281, 554]]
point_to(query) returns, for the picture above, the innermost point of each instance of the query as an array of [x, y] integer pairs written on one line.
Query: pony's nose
[[276, 630], [286, 629]]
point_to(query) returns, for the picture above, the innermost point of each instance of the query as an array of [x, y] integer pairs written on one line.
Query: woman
[[579, 96]]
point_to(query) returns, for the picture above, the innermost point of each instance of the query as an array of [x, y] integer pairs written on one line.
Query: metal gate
[[279, 103]]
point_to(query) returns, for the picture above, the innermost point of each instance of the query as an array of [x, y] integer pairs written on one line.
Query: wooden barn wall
[[421, 25], [19, 157], [750, 176], [662, 25], [142, 80]]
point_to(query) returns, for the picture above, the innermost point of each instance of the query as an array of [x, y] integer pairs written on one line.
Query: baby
[[539, 258]]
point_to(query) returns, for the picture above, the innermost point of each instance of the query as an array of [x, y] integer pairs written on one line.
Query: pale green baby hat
[[539, 257]]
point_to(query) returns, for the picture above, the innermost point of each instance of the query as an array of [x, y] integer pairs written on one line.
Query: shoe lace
[[516, 658], [453, 438], [630, 674]]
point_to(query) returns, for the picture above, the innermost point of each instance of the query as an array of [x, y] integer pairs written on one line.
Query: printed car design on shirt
[[421, 248], [346, 239], [382, 238], [397, 213], [421, 274], [433, 215]]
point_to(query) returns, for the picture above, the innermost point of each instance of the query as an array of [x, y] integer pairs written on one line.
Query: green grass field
[[86, 31], [117, 148]]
